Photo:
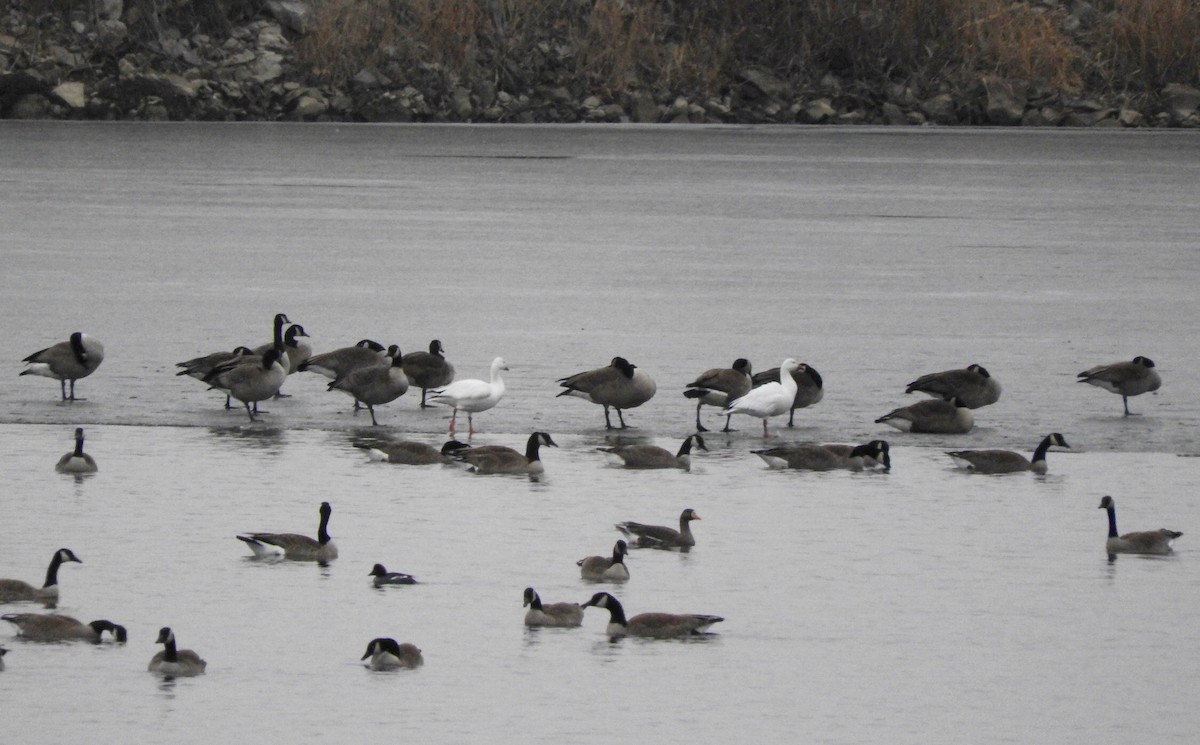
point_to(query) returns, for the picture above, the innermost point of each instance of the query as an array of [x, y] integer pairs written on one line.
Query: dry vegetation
[[692, 46]]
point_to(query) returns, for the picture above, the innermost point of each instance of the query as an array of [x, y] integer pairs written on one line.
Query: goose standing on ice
[[472, 395], [972, 385], [810, 387], [199, 367], [1124, 378], [70, 360], [718, 386], [427, 370], [769, 399], [620, 385], [374, 385]]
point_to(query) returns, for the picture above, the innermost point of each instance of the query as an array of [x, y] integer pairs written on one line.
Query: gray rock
[[1180, 101], [644, 109], [111, 34], [110, 10], [267, 66], [29, 106], [819, 110], [1004, 105], [941, 109], [309, 105], [759, 83], [893, 114], [293, 14], [1130, 118], [460, 104], [72, 94]]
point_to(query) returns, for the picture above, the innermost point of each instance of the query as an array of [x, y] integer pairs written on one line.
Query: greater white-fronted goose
[[660, 536], [374, 385], [385, 653], [933, 416], [652, 456], [382, 577], [652, 625], [472, 395], [1007, 461], [293, 545], [76, 461], [769, 399], [174, 662], [14, 590], [428, 370], [827, 457], [70, 360], [52, 627], [1124, 378], [718, 386], [1144, 542], [550, 614], [810, 387], [412, 453], [621, 385], [972, 385], [605, 568], [502, 459]]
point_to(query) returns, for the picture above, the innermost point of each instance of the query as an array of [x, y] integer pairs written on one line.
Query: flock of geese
[[374, 375]]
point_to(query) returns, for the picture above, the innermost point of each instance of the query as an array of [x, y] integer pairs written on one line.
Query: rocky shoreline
[[87, 69]]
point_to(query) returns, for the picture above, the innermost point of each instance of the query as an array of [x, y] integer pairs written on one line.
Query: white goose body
[[472, 395], [294, 546], [67, 361], [769, 399], [76, 461], [810, 387]]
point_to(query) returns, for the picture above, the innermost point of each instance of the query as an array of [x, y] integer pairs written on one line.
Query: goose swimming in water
[[386, 654], [550, 614], [52, 627], [293, 545], [652, 625], [660, 536], [76, 461], [611, 569], [1007, 461], [652, 456], [1144, 542], [173, 662], [14, 590]]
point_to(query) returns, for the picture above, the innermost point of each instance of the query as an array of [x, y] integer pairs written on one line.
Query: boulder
[[644, 109], [293, 14], [758, 83], [941, 109], [818, 110], [71, 94], [1180, 101], [1004, 104]]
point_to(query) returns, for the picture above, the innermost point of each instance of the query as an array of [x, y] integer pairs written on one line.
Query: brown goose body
[[295, 546], [15, 590], [621, 385], [651, 625], [67, 361], [1124, 378], [428, 370], [660, 536], [718, 386], [563, 615], [52, 627], [972, 385], [606, 568]]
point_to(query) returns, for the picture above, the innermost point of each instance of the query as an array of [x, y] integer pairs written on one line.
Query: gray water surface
[[918, 606]]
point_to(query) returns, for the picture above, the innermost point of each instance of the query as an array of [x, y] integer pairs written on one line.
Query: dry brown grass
[[1156, 41], [1018, 41]]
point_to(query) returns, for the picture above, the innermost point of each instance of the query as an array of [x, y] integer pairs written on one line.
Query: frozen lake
[[918, 606]]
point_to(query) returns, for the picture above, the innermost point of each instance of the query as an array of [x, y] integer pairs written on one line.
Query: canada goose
[[70, 360], [827, 457], [14, 590], [472, 395], [716, 387], [295, 349], [250, 379], [1006, 461], [621, 385], [653, 625], [293, 545], [873, 454], [660, 536], [972, 385], [810, 387], [384, 577], [933, 416], [1144, 542], [1125, 378], [52, 627], [199, 367], [411, 453], [174, 662], [652, 456], [553, 614], [386, 654], [427, 370], [502, 459], [374, 385], [76, 461], [769, 399], [605, 568], [344, 359]]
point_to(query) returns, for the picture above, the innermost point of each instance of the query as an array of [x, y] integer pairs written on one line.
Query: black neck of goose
[[77, 348], [289, 339], [52, 571], [535, 603], [532, 447], [685, 448], [323, 528], [616, 614], [618, 557], [1040, 452], [1112, 521], [79, 444], [279, 320], [170, 653], [435, 348]]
